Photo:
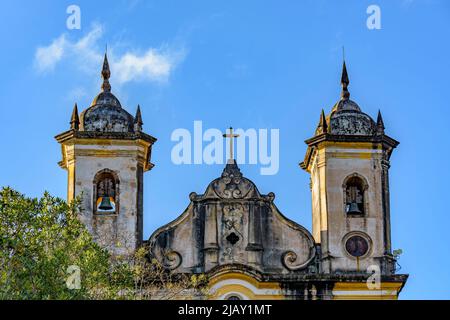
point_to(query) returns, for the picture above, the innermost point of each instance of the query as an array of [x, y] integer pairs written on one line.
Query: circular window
[[234, 297], [357, 246]]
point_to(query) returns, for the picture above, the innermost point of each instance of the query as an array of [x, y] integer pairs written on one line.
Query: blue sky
[[249, 64]]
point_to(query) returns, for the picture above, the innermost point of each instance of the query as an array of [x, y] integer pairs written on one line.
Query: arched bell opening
[[106, 192], [355, 195]]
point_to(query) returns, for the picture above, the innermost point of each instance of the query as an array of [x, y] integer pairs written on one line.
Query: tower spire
[[74, 120], [380, 123], [138, 120], [323, 126], [106, 73], [344, 83]]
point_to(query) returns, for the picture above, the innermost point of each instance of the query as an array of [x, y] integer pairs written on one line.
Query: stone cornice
[[75, 134], [386, 142], [74, 137], [301, 277]]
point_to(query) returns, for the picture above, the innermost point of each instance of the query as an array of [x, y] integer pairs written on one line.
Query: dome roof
[[106, 113], [346, 118]]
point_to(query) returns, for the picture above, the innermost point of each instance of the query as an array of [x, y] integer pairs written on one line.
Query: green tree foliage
[[41, 238]]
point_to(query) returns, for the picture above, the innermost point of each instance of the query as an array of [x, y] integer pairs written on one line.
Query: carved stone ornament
[[232, 220], [232, 185], [289, 259], [232, 224], [172, 260], [232, 217]]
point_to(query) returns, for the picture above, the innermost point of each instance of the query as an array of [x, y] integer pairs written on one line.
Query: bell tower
[[106, 153], [348, 159]]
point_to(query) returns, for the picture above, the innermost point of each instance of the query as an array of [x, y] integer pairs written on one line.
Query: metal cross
[[231, 136]]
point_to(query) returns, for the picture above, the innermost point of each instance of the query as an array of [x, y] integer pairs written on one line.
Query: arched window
[[106, 189], [354, 193]]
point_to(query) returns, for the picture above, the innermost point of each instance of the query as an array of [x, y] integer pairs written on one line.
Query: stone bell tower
[[106, 154], [348, 159]]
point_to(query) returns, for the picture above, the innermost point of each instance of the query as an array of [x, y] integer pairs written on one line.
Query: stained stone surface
[[106, 115], [346, 118], [232, 223]]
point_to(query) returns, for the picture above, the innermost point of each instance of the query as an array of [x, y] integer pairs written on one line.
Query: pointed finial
[[138, 120], [323, 126], [380, 123], [74, 120], [106, 73], [344, 83]]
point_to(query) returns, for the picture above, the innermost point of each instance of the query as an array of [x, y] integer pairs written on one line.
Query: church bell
[[353, 208], [105, 204]]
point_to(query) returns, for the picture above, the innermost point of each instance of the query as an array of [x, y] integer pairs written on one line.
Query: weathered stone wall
[[233, 224], [120, 232], [331, 224]]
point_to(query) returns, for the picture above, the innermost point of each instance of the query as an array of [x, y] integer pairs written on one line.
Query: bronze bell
[[105, 204], [353, 208]]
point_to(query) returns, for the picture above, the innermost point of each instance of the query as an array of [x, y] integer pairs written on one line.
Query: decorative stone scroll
[[232, 185], [172, 260], [289, 259]]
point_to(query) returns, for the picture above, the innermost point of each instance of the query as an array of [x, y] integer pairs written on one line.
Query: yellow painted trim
[[238, 288], [343, 286], [393, 287], [70, 151], [323, 152], [240, 276], [351, 155], [350, 145], [106, 142], [363, 297], [106, 153]]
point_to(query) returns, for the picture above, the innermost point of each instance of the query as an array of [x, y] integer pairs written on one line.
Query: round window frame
[[234, 294], [361, 234]]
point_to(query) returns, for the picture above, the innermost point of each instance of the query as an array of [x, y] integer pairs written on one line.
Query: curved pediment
[[231, 185], [232, 223]]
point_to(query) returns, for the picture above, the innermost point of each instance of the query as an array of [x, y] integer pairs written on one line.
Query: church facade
[[233, 233]]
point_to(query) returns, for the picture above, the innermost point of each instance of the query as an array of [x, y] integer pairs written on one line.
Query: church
[[232, 232]]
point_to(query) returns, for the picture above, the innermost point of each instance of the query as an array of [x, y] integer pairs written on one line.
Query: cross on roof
[[231, 136]]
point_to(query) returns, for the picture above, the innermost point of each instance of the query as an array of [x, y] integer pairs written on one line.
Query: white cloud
[[85, 54], [153, 65], [47, 57]]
